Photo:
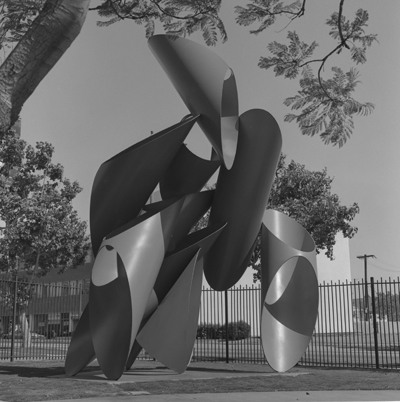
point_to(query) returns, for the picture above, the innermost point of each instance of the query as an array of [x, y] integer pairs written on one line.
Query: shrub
[[208, 331], [236, 331]]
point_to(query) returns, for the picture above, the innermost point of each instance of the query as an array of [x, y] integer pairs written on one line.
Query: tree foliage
[[177, 17], [42, 230], [22, 292], [326, 106], [16, 17], [327, 109]]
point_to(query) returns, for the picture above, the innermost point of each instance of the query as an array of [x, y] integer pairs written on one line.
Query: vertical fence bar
[[14, 315], [350, 324], [364, 331], [336, 323], [390, 325], [396, 317], [226, 328], [374, 322], [384, 322]]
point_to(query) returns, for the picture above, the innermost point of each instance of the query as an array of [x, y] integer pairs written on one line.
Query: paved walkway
[[145, 374], [329, 396], [149, 371]]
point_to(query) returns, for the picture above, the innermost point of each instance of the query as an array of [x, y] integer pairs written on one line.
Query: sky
[[108, 92]]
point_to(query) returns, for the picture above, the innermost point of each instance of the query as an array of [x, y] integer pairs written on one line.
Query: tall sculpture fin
[[170, 333], [124, 183], [172, 268], [289, 290], [120, 287], [207, 86], [194, 207], [241, 196], [80, 352], [176, 261], [186, 174]]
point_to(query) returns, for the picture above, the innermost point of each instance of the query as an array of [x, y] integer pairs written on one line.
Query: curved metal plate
[[288, 231], [80, 351], [207, 86], [241, 196], [124, 183], [193, 208], [175, 262], [117, 308], [283, 347], [279, 233], [289, 290], [296, 305], [170, 333], [172, 268], [186, 174], [110, 313]]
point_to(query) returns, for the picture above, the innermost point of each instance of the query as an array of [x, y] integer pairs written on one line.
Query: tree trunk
[[26, 333], [50, 35]]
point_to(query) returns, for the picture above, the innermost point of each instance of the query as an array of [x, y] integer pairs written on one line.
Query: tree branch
[[344, 40], [205, 12], [342, 44]]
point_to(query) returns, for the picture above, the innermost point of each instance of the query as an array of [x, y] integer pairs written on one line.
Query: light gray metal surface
[[207, 86], [289, 290]]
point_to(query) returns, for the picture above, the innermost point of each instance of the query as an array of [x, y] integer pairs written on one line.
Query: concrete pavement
[[153, 371], [298, 396]]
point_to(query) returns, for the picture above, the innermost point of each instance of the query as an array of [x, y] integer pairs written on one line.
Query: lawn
[[22, 381]]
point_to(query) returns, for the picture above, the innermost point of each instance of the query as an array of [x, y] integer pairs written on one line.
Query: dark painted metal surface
[[123, 184], [186, 174], [80, 351], [241, 196]]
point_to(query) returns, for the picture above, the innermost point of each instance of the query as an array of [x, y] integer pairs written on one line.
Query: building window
[[73, 287], [52, 289], [65, 289], [59, 286], [87, 286], [39, 291]]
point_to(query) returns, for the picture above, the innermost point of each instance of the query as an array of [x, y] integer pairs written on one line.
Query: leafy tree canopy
[[325, 106], [42, 230]]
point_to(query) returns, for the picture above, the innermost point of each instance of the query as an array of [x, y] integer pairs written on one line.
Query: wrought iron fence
[[37, 319], [358, 323]]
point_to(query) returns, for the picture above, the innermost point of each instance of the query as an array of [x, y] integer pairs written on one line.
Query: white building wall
[[335, 305], [338, 269]]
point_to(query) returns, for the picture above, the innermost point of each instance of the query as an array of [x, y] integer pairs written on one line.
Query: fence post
[[374, 322], [226, 329], [14, 319]]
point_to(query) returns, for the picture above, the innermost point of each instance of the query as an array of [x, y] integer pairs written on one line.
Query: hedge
[[236, 331]]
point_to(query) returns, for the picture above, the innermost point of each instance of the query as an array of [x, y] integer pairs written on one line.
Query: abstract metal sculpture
[[146, 280]]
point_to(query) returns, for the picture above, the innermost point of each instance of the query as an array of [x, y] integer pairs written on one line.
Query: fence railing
[[358, 324]]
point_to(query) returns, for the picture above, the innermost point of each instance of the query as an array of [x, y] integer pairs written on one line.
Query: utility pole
[[365, 257]]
